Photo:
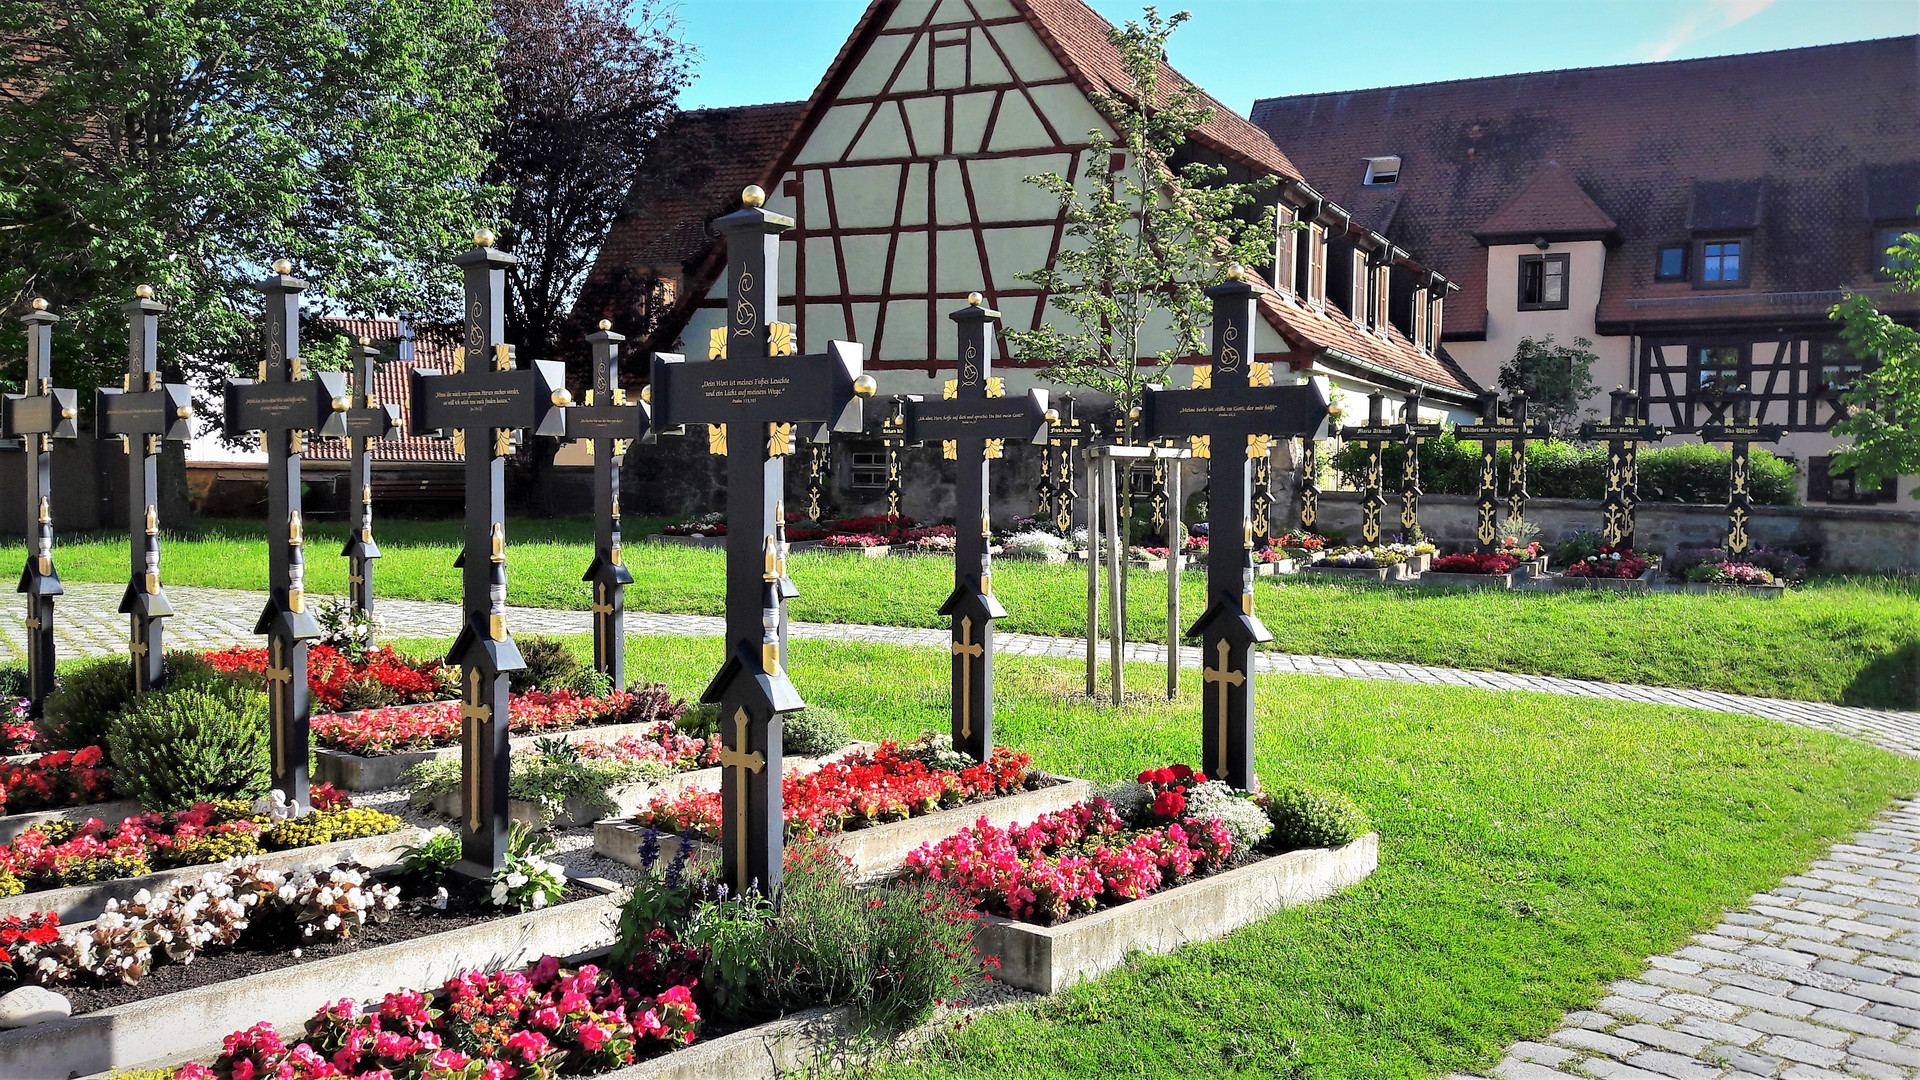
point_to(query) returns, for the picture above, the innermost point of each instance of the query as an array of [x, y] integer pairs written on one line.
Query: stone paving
[[87, 625]]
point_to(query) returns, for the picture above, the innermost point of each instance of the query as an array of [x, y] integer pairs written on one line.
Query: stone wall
[[1839, 538]]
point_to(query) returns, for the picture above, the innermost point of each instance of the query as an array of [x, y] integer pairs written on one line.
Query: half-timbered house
[[1695, 219]]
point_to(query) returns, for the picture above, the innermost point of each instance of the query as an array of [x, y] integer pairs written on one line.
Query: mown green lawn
[[1849, 640], [1533, 848]]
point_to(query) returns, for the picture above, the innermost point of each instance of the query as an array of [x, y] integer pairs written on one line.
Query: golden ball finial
[[561, 397], [39, 303], [342, 403], [283, 266], [606, 324], [366, 341], [1236, 272], [865, 386], [144, 292], [484, 237], [1133, 413], [1053, 416], [753, 196], [646, 394], [974, 299]]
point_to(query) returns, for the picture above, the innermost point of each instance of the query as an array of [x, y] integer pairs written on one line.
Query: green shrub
[[89, 695], [175, 748], [814, 731], [13, 680], [1684, 473], [1305, 816], [365, 692], [432, 854], [553, 665], [700, 721]]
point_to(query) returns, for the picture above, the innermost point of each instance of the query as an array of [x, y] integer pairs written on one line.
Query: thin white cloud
[[1711, 17]]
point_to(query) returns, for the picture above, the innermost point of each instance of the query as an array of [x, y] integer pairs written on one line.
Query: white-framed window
[[1382, 171], [1285, 241]]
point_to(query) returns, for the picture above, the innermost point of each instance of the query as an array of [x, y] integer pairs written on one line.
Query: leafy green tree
[[187, 143], [1882, 406], [1557, 379], [1144, 239]]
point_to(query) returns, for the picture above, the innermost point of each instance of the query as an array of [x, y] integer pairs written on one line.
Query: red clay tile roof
[[1824, 128], [432, 349], [1550, 205]]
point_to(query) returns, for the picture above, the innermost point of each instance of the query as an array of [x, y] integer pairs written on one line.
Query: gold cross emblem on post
[[968, 652], [139, 648], [473, 713], [278, 672], [1225, 678], [601, 609], [746, 763]]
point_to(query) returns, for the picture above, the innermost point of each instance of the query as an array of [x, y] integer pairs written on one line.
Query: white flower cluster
[[211, 911], [528, 881], [1244, 819], [1129, 800], [1032, 542]]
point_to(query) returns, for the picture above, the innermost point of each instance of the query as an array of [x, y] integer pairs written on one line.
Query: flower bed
[[62, 854], [578, 781], [1730, 573], [1475, 562], [856, 792], [1610, 562], [398, 729], [336, 680], [17, 733], [705, 525], [867, 542], [55, 781]]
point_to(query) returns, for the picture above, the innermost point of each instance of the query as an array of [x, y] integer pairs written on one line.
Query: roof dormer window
[[1382, 171]]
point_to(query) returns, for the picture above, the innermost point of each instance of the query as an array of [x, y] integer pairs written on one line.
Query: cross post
[[486, 400], [1623, 433], [1490, 432], [611, 423], [1309, 482], [819, 477], [1231, 415], [1416, 433], [282, 406], [151, 413], [893, 440], [1374, 435], [1064, 436], [365, 422], [1740, 434], [751, 395], [37, 417], [972, 423]]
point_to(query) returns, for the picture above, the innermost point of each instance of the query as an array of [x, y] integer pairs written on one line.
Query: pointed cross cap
[[279, 620], [753, 216], [966, 601], [742, 682], [1226, 619], [603, 572], [476, 647]]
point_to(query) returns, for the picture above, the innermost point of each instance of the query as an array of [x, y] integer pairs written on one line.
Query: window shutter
[[1317, 264], [1418, 329], [1358, 312], [1382, 282], [1283, 248], [1433, 329]]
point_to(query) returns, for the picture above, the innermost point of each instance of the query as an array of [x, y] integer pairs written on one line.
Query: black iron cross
[[972, 423], [819, 477], [155, 412], [1740, 434], [1234, 402], [1490, 432], [1416, 433], [751, 396], [613, 423], [282, 406], [37, 417], [1309, 482], [1375, 435], [366, 421], [486, 399], [1624, 431], [1064, 437], [893, 440]]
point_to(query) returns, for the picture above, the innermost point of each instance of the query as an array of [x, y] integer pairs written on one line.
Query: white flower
[[296, 954], [539, 900], [516, 879], [440, 898], [500, 893]]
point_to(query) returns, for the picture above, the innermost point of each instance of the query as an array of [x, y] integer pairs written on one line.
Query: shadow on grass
[[1890, 682]]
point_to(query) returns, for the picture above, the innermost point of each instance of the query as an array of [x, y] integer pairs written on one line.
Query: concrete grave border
[[1443, 579], [12, 825], [1048, 959], [359, 772]]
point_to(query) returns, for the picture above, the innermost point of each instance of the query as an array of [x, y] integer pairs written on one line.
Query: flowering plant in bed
[[853, 540], [1611, 562], [51, 781], [856, 792], [714, 524], [555, 770], [1360, 558], [424, 727], [1730, 573], [17, 733], [383, 677], [1475, 562]]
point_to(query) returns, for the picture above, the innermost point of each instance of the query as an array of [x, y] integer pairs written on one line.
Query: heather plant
[[553, 665], [191, 744], [814, 731], [1306, 816], [89, 695]]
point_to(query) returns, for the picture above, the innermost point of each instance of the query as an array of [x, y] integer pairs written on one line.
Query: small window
[[1543, 282], [1723, 263], [1825, 484], [1886, 237], [1672, 264], [1836, 367], [1717, 368], [867, 469], [1383, 171]]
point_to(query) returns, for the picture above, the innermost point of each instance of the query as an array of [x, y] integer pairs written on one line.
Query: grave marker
[[282, 406], [1309, 483], [751, 395], [1740, 434], [1416, 433], [154, 413], [365, 421], [37, 417], [972, 423], [1234, 401], [1065, 435], [1623, 432], [612, 423], [1375, 435], [485, 399], [1490, 432]]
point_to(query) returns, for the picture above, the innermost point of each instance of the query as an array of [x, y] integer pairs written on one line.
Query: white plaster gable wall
[[1507, 324]]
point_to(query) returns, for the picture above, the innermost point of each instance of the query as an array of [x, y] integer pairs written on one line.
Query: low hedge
[[1685, 473]]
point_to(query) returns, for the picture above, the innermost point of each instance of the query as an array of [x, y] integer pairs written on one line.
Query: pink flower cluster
[[51, 781], [525, 1024], [1070, 861], [853, 540], [42, 855], [422, 727]]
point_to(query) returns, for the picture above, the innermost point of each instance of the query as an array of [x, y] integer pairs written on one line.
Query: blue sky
[[776, 50]]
